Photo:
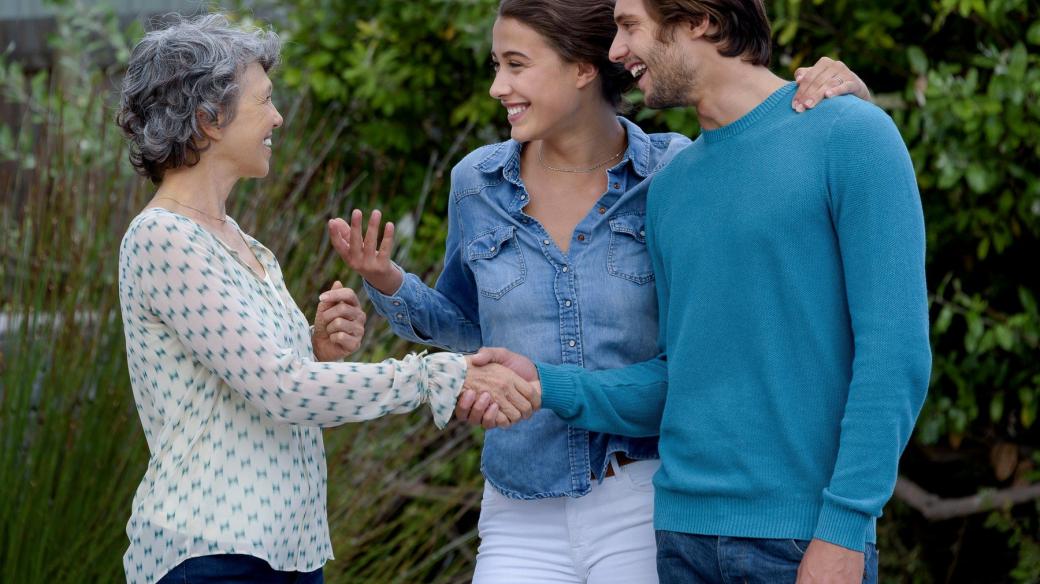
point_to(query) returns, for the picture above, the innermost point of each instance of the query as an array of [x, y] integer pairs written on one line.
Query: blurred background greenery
[[381, 97]]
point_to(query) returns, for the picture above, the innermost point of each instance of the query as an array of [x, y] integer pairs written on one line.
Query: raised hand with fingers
[[494, 396], [827, 78], [339, 324], [367, 255]]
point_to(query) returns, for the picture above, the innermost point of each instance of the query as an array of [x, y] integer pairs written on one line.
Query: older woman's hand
[[339, 324], [494, 396]]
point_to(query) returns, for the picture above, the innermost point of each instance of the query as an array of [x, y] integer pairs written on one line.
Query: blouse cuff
[[440, 377]]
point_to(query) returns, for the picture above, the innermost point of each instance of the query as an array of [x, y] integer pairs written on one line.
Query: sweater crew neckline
[[749, 119]]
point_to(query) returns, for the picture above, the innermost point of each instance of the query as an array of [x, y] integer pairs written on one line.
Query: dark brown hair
[[742, 27], [580, 31]]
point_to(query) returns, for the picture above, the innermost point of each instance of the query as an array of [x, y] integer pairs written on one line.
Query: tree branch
[[936, 508]]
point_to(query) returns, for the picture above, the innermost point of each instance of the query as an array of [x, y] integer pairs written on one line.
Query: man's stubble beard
[[673, 76]]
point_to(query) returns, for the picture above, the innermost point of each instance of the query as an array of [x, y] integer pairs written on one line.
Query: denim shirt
[[507, 284]]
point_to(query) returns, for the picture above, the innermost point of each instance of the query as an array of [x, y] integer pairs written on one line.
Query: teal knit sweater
[[789, 255]]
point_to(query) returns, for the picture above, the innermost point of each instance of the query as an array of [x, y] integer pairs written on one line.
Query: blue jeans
[[221, 568], [684, 558]]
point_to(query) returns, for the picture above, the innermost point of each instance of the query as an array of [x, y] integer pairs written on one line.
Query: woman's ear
[[211, 130], [587, 73]]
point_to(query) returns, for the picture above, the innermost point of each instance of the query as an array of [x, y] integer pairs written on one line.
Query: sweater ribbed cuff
[[842, 526], [558, 389]]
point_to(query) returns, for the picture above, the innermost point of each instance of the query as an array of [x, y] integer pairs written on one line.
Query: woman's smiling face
[[246, 141], [537, 87]]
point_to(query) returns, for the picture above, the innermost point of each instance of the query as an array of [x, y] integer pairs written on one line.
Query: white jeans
[[607, 536]]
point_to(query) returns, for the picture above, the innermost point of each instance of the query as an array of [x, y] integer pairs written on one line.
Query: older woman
[[231, 384]]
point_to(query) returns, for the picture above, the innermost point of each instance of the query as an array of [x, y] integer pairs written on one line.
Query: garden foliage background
[[381, 97]]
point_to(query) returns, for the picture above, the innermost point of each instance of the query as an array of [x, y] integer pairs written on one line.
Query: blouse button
[[581, 237], [617, 186], [602, 210]]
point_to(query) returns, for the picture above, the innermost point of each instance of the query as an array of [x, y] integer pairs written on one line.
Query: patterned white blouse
[[232, 402]]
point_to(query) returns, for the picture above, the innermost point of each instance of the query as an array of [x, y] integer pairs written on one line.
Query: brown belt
[[622, 460]]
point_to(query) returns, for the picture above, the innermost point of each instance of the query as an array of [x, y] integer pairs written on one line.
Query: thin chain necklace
[[199, 211], [541, 160]]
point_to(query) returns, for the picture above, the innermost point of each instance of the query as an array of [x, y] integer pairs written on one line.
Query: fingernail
[[323, 297], [799, 76], [808, 103]]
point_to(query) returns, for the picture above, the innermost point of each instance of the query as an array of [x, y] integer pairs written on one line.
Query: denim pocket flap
[[488, 244], [631, 224]]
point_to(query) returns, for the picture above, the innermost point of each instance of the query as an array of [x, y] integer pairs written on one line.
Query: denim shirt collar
[[505, 157]]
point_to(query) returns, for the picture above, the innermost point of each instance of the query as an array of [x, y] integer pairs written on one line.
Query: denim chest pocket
[[628, 256], [497, 262]]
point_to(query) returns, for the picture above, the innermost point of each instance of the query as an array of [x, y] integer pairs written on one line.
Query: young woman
[[231, 384], [546, 256]]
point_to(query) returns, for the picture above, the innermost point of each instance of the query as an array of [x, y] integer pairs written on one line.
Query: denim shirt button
[[616, 186], [571, 343], [566, 269], [400, 316], [581, 237], [545, 242], [602, 210], [567, 303], [397, 302]]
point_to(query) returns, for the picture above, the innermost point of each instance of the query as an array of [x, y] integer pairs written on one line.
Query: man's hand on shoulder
[[827, 563]]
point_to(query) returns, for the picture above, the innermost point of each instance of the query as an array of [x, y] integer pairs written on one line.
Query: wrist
[[388, 281]]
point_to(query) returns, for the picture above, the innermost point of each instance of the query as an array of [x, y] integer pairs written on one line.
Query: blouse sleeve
[[217, 322]]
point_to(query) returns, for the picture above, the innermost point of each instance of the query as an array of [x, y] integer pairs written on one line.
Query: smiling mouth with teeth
[[267, 141], [637, 70], [516, 109]]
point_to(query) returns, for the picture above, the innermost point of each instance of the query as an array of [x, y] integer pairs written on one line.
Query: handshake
[[501, 388]]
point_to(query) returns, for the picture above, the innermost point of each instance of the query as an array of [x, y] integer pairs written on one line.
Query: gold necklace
[[541, 160], [199, 211]]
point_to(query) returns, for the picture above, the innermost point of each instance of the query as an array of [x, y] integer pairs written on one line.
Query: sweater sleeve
[[215, 319], [876, 210]]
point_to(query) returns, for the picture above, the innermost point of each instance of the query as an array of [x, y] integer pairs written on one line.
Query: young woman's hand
[[339, 324], [827, 78], [367, 256]]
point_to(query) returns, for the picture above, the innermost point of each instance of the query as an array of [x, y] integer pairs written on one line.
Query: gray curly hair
[[178, 72]]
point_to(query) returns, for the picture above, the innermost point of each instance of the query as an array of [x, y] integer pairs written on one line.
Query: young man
[[789, 256]]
